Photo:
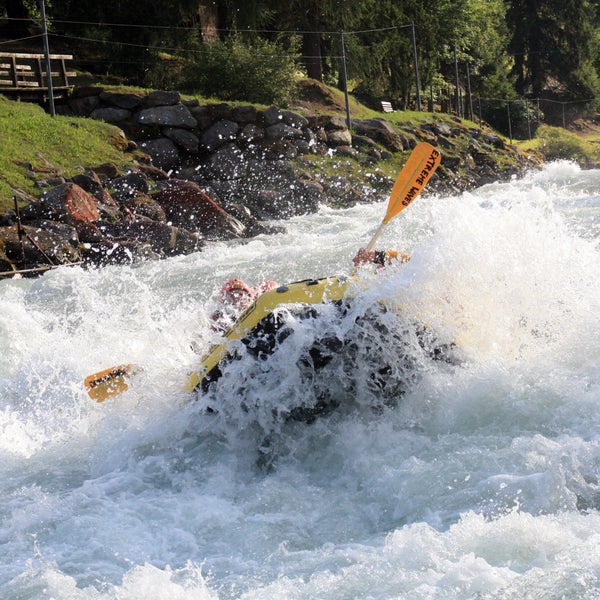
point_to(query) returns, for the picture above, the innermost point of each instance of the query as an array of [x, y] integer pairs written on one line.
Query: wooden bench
[[387, 106], [23, 76]]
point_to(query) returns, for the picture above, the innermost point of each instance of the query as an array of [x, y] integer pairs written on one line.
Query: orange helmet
[[235, 285], [265, 286]]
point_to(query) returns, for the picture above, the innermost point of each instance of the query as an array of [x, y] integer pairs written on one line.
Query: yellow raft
[[308, 291]]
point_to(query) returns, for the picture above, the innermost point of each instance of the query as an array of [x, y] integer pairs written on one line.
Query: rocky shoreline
[[212, 172]]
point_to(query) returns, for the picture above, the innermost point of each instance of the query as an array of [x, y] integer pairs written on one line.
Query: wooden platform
[[23, 76]]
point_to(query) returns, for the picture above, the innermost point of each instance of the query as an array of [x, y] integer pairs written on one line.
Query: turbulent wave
[[476, 478]]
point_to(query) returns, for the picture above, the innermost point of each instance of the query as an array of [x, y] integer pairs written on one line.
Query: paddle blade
[[417, 171], [110, 382]]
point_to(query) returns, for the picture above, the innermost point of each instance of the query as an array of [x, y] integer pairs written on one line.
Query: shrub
[[557, 143], [261, 71]]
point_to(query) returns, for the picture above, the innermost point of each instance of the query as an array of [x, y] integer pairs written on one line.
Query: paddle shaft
[[417, 171]]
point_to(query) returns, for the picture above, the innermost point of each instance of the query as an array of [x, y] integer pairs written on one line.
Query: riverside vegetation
[[125, 175]]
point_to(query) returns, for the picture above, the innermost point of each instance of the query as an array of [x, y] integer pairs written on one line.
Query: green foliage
[[556, 143], [553, 47], [515, 117], [68, 142], [258, 71]]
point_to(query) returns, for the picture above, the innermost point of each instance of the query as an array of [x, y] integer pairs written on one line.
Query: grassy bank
[[34, 141], [31, 140]]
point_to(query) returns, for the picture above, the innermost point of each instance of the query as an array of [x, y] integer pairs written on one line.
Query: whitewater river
[[477, 479]]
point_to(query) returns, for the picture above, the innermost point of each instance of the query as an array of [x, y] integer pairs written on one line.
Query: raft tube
[[307, 291]]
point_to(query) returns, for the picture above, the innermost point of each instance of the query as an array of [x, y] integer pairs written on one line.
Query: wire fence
[[516, 117]]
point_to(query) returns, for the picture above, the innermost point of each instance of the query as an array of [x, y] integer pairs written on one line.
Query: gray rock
[[218, 134], [339, 137], [111, 115], [250, 134], [162, 98], [244, 114], [294, 119], [281, 131], [173, 116], [127, 101], [183, 138], [163, 152], [272, 115]]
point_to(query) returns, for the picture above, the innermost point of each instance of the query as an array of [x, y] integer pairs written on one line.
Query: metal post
[[416, 65], [47, 55], [509, 123], [345, 78], [471, 115], [528, 120], [458, 102]]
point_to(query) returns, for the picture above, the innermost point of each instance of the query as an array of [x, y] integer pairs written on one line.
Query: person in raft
[[235, 297], [379, 257]]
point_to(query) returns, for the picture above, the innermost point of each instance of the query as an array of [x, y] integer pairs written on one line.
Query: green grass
[[73, 144], [556, 143], [69, 143]]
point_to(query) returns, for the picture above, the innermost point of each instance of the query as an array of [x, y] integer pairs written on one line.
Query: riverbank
[[193, 173]]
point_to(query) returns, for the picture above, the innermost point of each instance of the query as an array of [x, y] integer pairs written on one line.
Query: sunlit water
[[480, 480]]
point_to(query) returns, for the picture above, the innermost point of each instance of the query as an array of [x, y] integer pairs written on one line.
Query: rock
[[36, 246], [380, 131], [244, 114], [183, 138], [294, 119], [281, 131], [218, 134], [145, 206], [70, 203], [128, 186], [66, 232], [203, 116], [272, 115], [187, 206], [163, 238], [339, 137], [163, 153], [228, 162], [90, 182], [162, 98], [111, 115], [106, 171], [126, 101], [84, 106], [173, 116], [250, 134], [153, 172]]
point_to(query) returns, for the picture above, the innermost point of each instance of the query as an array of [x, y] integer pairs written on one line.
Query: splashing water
[[475, 479]]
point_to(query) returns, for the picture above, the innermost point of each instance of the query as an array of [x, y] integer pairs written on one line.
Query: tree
[[553, 48]]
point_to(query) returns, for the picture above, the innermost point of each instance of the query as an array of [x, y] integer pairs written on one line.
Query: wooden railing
[[24, 76]]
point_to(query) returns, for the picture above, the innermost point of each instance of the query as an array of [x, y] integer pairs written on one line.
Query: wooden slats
[[23, 74]]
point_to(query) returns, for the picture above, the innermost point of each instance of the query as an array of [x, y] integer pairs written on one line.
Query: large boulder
[[218, 134], [163, 238], [382, 132], [36, 246], [187, 206], [69, 203], [163, 153], [172, 116]]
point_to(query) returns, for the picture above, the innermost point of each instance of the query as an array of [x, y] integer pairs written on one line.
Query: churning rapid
[[470, 478]]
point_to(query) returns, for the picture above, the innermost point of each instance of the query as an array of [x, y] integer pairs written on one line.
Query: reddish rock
[[186, 205], [71, 204]]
